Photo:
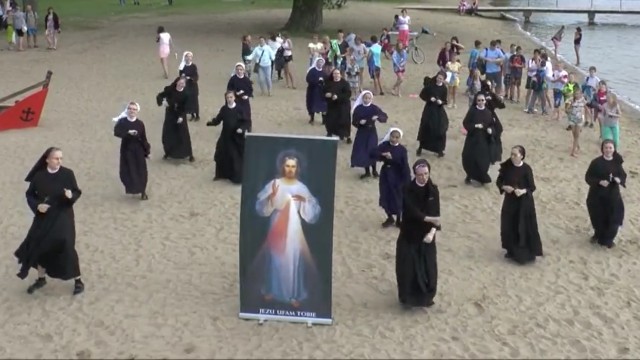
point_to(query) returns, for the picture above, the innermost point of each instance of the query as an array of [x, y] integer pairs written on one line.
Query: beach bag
[[256, 66]]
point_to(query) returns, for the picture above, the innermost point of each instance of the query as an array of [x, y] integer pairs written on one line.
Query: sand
[[162, 276]]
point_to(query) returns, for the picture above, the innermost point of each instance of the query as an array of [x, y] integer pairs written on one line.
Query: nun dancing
[[134, 151], [394, 175], [316, 102], [229, 152], [175, 131], [50, 243], [337, 93], [416, 257], [241, 86], [189, 70], [493, 102], [518, 221], [476, 153], [605, 176], [432, 135], [365, 115]]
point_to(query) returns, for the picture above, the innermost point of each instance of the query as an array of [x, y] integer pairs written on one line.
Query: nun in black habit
[[518, 221], [176, 139], [493, 102], [416, 258], [134, 150], [476, 153], [189, 70], [49, 245], [605, 177], [434, 123], [241, 86], [338, 94], [230, 146]]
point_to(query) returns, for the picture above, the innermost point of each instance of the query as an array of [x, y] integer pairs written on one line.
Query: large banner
[[286, 228]]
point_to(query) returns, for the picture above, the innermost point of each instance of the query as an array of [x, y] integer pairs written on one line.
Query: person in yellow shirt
[[453, 67]]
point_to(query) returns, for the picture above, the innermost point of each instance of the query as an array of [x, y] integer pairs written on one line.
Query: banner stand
[[263, 318]]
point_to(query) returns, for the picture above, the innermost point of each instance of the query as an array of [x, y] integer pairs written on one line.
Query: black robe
[[134, 150], [416, 261], [518, 221], [338, 119], [605, 204], [476, 153], [230, 146], [237, 84], [193, 103], [176, 139], [495, 144], [51, 239], [434, 122]]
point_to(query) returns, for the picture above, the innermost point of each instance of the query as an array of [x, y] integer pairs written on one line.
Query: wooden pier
[[527, 11]]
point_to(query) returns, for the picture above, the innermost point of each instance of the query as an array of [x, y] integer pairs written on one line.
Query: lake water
[[611, 45]]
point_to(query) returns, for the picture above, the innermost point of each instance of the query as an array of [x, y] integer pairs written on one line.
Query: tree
[[306, 15]]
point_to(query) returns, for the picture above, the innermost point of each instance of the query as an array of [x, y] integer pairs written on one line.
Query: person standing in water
[[577, 40], [49, 245], [556, 40]]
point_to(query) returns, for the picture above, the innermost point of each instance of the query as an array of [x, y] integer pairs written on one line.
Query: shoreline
[[626, 104]]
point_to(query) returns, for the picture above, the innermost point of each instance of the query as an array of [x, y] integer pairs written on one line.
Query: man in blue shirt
[[493, 57]]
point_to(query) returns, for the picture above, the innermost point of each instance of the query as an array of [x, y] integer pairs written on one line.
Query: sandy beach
[[162, 275]]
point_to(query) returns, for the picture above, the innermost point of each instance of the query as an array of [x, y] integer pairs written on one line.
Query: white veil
[[387, 136], [359, 101], [124, 112], [184, 61]]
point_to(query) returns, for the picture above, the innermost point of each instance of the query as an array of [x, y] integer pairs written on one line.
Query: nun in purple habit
[[241, 86], [316, 102], [364, 116], [394, 174]]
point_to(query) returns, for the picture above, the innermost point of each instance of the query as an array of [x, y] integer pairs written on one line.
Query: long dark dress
[[134, 150], [338, 119], [394, 176], [237, 84], [605, 204], [518, 221], [176, 139], [434, 123], [193, 103], [416, 261], [230, 146], [51, 239], [366, 139], [316, 102], [476, 153], [495, 144]]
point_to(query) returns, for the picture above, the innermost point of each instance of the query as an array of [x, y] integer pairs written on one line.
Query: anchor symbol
[[27, 115]]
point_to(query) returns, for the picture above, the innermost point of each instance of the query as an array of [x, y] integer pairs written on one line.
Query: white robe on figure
[[287, 247]]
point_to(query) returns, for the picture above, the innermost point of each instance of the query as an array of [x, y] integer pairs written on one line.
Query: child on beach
[[576, 120], [610, 128], [475, 85], [399, 59], [589, 88], [353, 77], [454, 67], [597, 103]]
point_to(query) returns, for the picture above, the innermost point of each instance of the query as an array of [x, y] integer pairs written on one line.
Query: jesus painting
[[287, 202]]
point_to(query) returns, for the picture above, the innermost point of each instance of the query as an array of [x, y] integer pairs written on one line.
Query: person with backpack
[[493, 57], [538, 87]]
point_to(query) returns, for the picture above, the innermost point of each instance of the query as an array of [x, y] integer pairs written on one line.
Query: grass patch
[[93, 14], [84, 14]]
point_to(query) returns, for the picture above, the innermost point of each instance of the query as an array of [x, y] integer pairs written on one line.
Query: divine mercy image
[[289, 263]]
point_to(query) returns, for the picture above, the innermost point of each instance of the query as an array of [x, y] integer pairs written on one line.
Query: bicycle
[[417, 55]]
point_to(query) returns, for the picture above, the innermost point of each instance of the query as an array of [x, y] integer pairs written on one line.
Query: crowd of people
[[410, 203], [21, 26]]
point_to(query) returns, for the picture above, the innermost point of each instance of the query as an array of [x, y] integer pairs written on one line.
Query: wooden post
[[592, 17], [527, 16]]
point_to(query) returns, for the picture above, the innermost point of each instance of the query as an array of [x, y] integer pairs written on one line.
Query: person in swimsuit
[[577, 39], [556, 39]]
